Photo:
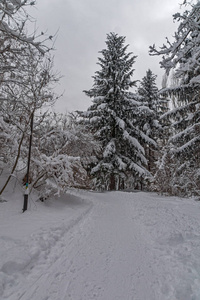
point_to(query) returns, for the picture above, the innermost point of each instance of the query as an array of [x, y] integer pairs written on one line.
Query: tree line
[[145, 139]]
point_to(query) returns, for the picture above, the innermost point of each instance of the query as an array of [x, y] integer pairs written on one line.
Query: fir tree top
[[116, 68]]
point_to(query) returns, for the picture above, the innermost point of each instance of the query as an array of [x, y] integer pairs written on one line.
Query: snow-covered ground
[[100, 246]]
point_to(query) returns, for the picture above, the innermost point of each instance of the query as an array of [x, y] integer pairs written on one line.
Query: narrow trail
[[123, 249]]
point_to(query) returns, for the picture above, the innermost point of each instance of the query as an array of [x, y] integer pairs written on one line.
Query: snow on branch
[[133, 141]]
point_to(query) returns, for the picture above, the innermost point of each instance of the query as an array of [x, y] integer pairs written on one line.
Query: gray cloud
[[83, 25]]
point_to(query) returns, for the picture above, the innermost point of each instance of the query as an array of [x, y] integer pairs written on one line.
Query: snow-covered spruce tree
[[114, 119], [148, 92], [182, 56]]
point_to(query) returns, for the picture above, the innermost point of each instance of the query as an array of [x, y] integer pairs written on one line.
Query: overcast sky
[[83, 26]]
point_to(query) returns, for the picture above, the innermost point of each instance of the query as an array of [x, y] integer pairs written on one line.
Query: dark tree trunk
[[112, 182], [122, 184]]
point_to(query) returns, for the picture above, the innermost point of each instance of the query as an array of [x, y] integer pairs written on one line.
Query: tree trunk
[[112, 182]]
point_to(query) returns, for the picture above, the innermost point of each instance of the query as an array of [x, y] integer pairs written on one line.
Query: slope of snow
[[105, 246]]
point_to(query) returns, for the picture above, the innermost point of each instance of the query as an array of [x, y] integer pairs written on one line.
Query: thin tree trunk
[[112, 182]]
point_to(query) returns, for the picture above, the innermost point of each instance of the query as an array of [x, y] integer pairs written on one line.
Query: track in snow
[[130, 246]]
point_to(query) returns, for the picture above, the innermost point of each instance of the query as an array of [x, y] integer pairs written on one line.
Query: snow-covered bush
[[61, 153]]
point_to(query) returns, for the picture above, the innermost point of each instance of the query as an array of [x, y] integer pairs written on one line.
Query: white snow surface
[[100, 246]]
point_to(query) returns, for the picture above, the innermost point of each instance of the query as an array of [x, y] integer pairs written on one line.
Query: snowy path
[[126, 246]]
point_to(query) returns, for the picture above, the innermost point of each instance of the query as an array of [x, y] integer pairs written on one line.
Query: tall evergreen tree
[[148, 92], [114, 117], [182, 56]]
